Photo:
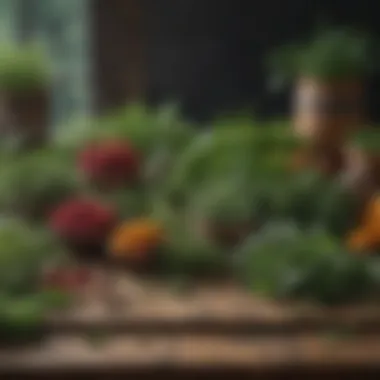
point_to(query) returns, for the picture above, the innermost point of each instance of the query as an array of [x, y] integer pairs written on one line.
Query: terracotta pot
[[325, 113], [362, 171], [27, 114]]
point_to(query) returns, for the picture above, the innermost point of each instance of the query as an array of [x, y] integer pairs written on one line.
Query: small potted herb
[[24, 87], [329, 74]]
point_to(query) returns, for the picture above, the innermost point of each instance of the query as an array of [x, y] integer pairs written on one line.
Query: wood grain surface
[[127, 324]]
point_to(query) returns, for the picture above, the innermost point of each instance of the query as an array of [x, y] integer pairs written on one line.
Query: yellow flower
[[136, 239]]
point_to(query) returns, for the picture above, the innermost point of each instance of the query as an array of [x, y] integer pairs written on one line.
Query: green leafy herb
[[23, 69], [331, 55], [32, 183], [284, 262]]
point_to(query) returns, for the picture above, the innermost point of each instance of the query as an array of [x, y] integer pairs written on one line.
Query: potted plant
[[329, 73], [24, 88]]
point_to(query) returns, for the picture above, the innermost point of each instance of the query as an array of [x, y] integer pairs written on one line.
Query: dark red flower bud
[[110, 164], [83, 221]]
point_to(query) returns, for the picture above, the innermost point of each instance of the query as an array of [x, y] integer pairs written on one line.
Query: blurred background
[[206, 55]]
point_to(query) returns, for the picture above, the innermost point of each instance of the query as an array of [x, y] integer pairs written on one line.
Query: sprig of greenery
[[285, 262], [333, 54], [31, 182], [23, 68], [23, 253]]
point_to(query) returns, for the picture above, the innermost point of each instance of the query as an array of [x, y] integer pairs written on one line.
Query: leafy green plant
[[284, 262], [310, 199], [333, 54], [252, 152], [188, 256], [24, 253], [148, 130], [31, 183], [23, 68], [22, 318], [233, 202]]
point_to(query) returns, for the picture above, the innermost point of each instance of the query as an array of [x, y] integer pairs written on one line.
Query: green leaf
[[283, 261]]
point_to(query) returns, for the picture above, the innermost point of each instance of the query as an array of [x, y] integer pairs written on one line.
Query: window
[[63, 27]]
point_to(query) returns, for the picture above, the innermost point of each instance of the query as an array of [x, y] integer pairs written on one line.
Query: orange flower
[[136, 239], [367, 235], [371, 220]]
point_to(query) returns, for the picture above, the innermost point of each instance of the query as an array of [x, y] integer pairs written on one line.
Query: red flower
[[83, 221], [110, 163]]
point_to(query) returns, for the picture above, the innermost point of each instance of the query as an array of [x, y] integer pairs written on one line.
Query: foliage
[[284, 262], [187, 255], [234, 178], [22, 317], [146, 129], [32, 183], [331, 55], [24, 253], [23, 69], [232, 153], [310, 199]]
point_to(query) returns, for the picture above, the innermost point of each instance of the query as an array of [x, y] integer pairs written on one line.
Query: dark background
[[208, 54]]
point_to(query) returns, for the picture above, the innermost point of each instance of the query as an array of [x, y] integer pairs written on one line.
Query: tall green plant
[[332, 54]]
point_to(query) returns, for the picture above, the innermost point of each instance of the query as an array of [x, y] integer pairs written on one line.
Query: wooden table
[[124, 326]]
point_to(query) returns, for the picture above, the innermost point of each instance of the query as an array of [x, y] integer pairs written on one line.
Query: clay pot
[[325, 113], [27, 115]]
